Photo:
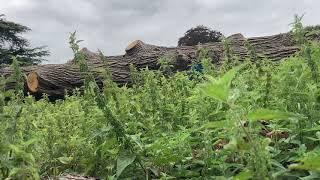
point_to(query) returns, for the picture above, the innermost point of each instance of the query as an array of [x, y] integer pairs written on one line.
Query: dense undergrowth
[[248, 120]]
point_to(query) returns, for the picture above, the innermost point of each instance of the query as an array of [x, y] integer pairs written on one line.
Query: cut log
[[33, 82], [56, 79], [134, 47]]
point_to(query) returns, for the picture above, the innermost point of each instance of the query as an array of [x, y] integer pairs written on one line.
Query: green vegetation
[[249, 120], [199, 34]]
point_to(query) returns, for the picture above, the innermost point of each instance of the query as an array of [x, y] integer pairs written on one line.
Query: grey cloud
[[110, 25]]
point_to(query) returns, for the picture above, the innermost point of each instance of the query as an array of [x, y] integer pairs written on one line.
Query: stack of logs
[[56, 79]]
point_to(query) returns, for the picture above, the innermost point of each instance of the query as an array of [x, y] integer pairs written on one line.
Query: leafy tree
[[12, 44], [200, 34]]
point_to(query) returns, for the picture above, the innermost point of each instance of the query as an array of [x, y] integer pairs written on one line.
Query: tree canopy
[[13, 44], [200, 34]]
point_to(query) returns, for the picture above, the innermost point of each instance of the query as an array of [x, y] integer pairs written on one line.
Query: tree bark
[[56, 79]]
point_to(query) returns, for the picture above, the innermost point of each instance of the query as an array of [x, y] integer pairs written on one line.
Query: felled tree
[[12, 44], [200, 34]]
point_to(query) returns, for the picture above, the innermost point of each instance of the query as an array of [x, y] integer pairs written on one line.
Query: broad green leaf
[[219, 88], [232, 145], [317, 128], [112, 177], [267, 114], [237, 143], [123, 161], [313, 139], [244, 175], [309, 163], [30, 142], [65, 160]]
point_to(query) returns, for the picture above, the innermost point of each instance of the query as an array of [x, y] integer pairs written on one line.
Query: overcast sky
[[109, 25]]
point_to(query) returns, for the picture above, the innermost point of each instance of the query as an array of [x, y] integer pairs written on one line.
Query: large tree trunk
[[56, 79]]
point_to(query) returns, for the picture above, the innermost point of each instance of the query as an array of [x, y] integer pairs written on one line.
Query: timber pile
[[56, 79]]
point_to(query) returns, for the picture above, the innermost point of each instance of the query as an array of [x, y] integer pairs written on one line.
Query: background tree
[[13, 44], [200, 34]]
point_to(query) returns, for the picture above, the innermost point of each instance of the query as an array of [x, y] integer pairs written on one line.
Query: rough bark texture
[[55, 79]]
